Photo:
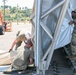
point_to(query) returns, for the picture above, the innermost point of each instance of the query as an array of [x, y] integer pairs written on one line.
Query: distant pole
[[17, 14], [4, 9]]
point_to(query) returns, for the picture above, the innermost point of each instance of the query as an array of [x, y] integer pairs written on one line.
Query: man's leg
[[21, 60], [73, 43]]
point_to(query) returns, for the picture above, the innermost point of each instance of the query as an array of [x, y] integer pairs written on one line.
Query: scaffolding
[[43, 55]]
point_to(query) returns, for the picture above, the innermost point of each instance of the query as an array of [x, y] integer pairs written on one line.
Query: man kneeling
[[24, 56]]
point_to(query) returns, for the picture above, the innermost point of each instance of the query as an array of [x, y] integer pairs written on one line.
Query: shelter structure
[[50, 29]]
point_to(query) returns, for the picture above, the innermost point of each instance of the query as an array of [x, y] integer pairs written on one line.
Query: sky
[[21, 3]]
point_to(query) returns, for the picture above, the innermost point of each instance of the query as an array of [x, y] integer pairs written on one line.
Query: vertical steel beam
[[37, 35], [4, 10], [17, 15]]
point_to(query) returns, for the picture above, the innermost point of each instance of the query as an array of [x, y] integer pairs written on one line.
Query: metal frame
[[40, 62]]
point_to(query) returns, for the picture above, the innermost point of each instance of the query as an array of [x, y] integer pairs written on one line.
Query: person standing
[[73, 40]]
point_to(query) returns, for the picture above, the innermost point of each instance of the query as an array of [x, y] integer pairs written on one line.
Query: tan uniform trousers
[[21, 60], [73, 42]]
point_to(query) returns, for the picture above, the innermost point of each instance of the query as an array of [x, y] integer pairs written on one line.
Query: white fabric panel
[[66, 30], [65, 34], [73, 4]]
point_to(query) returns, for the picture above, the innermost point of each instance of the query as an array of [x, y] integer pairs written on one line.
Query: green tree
[[13, 10], [13, 14]]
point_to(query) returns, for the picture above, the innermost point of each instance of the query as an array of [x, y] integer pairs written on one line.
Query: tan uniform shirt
[[20, 38]]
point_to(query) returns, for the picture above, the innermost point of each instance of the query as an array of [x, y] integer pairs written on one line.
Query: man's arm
[[13, 44], [71, 22]]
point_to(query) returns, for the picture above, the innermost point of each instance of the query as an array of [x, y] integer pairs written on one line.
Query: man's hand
[[31, 61], [10, 50], [71, 22]]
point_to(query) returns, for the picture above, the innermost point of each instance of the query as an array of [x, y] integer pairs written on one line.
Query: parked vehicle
[[4, 26]]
